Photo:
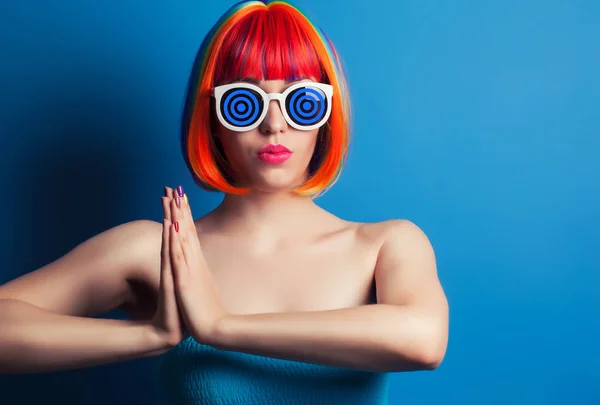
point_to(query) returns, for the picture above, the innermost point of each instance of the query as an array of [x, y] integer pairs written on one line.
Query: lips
[[274, 154], [274, 149]]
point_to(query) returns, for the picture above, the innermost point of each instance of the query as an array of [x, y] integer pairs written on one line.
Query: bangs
[[267, 44]]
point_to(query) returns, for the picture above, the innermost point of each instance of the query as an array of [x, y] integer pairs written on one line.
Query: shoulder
[[130, 247], [406, 270], [136, 256], [394, 233], [142, 237], [141, 233], [122, 241], [140, 226]]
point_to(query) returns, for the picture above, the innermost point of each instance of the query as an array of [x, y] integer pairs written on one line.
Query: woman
[[283, 301]]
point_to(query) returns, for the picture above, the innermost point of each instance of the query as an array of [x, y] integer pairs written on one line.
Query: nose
[[274, 122]]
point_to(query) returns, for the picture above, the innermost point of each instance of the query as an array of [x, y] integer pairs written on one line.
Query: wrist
[[158, 340], [222, 337]]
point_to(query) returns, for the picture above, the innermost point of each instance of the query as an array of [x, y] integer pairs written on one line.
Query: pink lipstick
[[274, 154]]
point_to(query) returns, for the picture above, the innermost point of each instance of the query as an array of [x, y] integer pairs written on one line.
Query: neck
[[260, 210]]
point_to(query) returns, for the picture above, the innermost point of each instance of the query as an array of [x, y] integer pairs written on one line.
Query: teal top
[[195, 374]]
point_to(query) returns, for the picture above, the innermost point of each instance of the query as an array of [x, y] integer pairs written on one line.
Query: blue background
[[477, 120]]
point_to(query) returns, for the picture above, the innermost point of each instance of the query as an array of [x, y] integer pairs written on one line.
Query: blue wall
[[476, 120]]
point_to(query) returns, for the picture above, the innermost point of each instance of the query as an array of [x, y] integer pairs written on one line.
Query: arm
[[406, 330], [33, 340], [44, 315]]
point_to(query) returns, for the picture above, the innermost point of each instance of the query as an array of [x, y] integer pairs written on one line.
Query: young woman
[[283, 302]]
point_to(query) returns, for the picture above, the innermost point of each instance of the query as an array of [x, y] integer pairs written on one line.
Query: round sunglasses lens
[[306, 105], [241, 107]]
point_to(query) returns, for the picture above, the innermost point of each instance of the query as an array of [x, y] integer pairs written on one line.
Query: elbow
[[426, 358], [432, 352], [431, 357], [424, 354]]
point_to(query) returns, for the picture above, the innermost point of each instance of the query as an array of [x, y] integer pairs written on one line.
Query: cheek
[[309, 143], [235, 146], [230, 147]]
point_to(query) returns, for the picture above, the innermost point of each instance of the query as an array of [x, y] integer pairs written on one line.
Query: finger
[[166, 208], [176, 214], [165, 273], [192, 246], [167, 298], [167, 282], [176, 199], [193, 243], [185, 217], [169, 196], [166, 226], [183, 233], [174, 194], [178, 196], [187, 211], [166, 277], [188, 234], [180, 191], [169, 192], [178, 264]]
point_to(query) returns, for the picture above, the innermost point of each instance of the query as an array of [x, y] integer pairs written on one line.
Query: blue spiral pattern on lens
[[241, 107], [306, 105]]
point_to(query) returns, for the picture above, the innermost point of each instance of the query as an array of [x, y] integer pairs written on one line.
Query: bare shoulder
[[143, 238], [397, 233], [139, 243], [391, 226], [402, 245], [389, 234], [136, 243], [406, 269]]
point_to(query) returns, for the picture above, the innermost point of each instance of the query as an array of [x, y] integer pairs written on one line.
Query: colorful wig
[[266, 41]]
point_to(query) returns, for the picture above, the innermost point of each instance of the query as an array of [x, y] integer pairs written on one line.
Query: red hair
[[266, 42]]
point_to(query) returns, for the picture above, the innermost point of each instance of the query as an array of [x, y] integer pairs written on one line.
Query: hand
[[167, 320], [195, 288]]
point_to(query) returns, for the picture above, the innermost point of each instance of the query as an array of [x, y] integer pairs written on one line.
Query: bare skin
[[269, 252], [307, 268], [307, 260]]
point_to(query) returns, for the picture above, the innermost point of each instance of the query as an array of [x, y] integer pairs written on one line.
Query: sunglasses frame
[[219, 91]]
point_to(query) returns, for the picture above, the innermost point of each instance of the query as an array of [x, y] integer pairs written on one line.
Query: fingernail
[[185, 199], [176, 225], [180, 191], [178, 202], [165, 190]]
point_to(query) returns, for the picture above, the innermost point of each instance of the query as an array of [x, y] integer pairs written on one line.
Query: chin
[[272, 187], [276, 183]]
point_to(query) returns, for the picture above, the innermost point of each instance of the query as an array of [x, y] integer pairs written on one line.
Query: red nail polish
[[176, 224]]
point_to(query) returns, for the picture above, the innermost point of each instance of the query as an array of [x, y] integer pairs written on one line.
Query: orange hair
[[264, 41]]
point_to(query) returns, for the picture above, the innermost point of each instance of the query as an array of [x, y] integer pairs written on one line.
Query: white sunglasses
[[243, 106]]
